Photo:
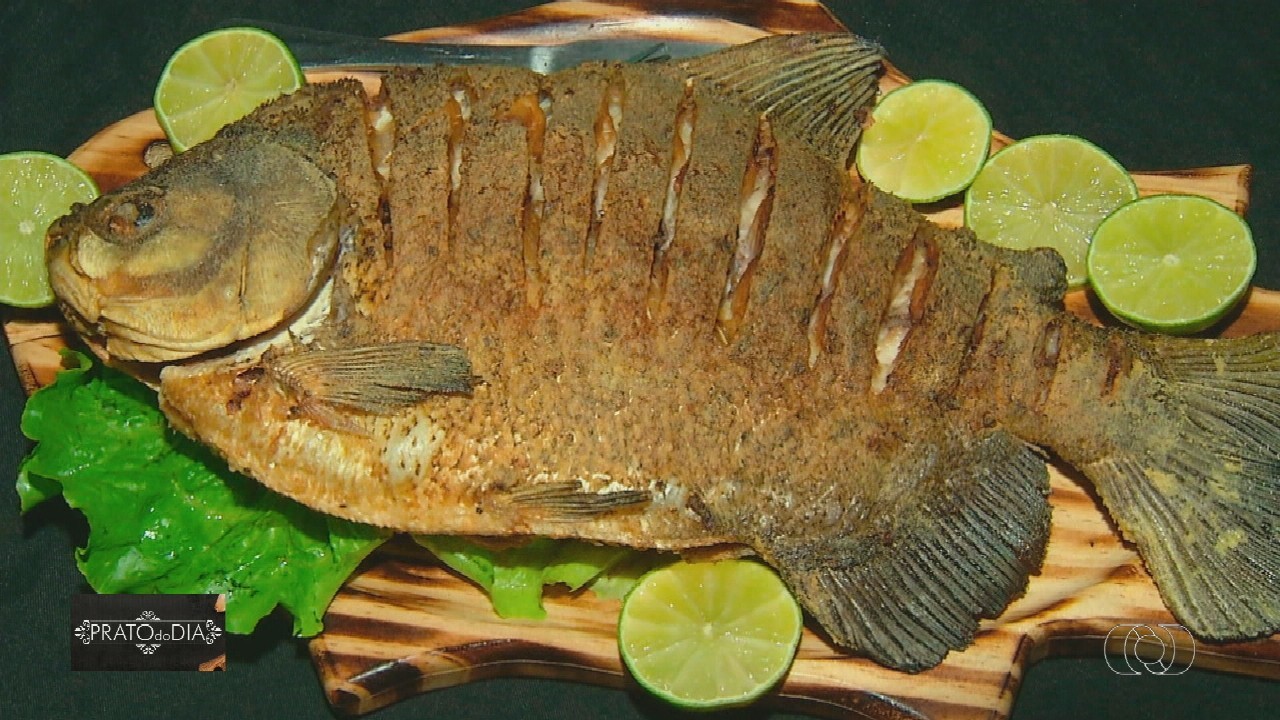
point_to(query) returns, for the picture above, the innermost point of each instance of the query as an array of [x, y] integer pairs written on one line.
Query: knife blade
[[319, 48]]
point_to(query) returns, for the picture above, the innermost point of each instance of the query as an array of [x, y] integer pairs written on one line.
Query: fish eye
[[146, 212], [129, 219], [129, 216]]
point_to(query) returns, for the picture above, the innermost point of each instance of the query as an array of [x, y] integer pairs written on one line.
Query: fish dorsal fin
[[815, 87], [962, 546], [377, 379]]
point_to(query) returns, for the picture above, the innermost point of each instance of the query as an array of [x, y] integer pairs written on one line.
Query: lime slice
[[218, 78], [705, 635], [1047, 191], [1171, 263], [927, 140], [35, 189]]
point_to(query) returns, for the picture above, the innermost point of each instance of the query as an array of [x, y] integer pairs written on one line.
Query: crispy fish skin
[[645, 305]]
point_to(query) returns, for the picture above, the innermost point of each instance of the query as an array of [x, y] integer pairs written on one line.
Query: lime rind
[[709, 635], [927, 141], [35, 189], [1172, 263], [218, 78], [1047, 191]]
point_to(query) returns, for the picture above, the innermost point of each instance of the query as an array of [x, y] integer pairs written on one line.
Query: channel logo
[[1164, 649]]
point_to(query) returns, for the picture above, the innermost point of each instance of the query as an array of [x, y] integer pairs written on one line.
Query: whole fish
[[647, 305]]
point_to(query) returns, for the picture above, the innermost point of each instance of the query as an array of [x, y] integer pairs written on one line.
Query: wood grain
[[403, 625]]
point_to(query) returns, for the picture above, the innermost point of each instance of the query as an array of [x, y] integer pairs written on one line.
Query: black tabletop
[[1158, 84]]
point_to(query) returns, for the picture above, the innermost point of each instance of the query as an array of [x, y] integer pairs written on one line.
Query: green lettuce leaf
[[515, 577], [615, 582], [512, 577], [167, 516]]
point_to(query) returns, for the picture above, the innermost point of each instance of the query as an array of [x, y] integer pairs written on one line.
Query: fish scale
[[646, 305]]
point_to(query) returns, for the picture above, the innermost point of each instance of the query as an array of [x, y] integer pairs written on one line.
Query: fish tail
[[1188, 464]]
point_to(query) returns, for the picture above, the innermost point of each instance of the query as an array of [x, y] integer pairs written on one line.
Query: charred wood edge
[[388, 681]]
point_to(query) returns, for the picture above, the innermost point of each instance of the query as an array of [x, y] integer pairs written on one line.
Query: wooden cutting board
[[404, 625]]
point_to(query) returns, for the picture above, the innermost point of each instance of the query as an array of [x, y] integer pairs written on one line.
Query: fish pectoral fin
[[815, 86], [378, 379], [965, 547], [569, 501]]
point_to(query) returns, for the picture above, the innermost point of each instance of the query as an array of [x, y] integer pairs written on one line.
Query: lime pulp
[[709, 634], [35, 189], [218, 78], [1047, 191], [1171, 263], [927, 140]]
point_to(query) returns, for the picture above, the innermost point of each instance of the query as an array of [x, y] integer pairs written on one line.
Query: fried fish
[[647, 305]]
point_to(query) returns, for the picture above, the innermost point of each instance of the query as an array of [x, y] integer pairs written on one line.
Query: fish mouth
[[146, 345], [111, 337], [72, 287], [95, 318], [141, 348], [74, 297], [119, 326]]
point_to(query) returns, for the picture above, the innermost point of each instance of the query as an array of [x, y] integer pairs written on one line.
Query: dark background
[[1158, 84]]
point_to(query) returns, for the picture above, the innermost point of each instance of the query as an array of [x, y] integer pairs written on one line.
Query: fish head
[[220, 244]]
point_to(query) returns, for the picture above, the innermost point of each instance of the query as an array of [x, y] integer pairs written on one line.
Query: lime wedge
[[707, 635], [927, 140], [218, 78], [35, 189], [1171, 263], [1047, 191]]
